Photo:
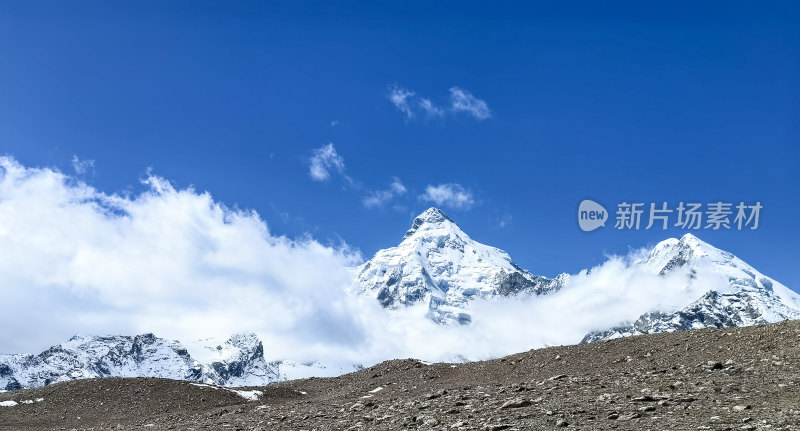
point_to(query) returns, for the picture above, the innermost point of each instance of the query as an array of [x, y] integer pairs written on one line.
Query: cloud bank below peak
[[175, 262], [180, 264]]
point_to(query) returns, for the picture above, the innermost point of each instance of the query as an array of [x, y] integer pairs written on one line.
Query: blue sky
[[621, 102]]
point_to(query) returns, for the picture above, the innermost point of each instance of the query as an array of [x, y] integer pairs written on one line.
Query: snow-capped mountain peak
[[438, 263], [696, 256], [240, 362], [432, 218], [674, 253], [734, 293]]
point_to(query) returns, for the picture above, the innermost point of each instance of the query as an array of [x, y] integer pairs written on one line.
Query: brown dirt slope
[[731, 379]]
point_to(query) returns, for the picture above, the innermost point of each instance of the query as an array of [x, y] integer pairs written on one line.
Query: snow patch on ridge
[[252, 395]]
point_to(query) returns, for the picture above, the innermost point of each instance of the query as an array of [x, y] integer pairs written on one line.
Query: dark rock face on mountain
[[240, 362], [439, 264], [714, 379]]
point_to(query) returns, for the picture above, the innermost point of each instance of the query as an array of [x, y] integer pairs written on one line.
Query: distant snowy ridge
[[239, 361], [749, 298], [438, 264], [86, 356]]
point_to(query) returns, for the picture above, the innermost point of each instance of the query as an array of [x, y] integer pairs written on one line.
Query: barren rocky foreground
[[730, 379]]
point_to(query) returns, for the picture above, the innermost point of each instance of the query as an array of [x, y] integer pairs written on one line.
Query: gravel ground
[[730, 379]]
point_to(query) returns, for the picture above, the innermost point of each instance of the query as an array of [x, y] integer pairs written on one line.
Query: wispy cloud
[[397, 186], [400, 98], [504, 221], [323, 161], [463, 101], [81, 166], [460, 102], [450, 195], [378, 198], [431, 110]]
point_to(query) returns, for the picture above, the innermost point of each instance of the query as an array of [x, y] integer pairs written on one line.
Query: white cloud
[[463, 101], [397, 186], [378, 198], [81, 166], [450, 195], [431, 110], [177, 263], [73, 259], [606, 296], [323, 161], [504, 221], [399, 97]]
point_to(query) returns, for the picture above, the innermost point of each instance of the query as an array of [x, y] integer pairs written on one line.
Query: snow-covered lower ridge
[[742, 296], [85, 356], [437, 263], [239, 361]]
